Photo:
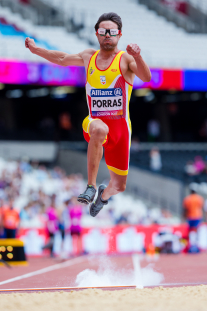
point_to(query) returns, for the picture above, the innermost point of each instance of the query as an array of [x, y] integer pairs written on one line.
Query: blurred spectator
[[190, 168], [24, 165], [193, 205], [52, 225], [24, 213], [75, 212], [167, 242], [166, 213], [155, 160], [65, 126], [153, 129], [65, 121], [123, 219], [64, 223], [177, 5], [199, 164], [111, 213], [11, 221]]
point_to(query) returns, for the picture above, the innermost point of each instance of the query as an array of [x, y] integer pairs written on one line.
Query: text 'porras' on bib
[[106, 102]]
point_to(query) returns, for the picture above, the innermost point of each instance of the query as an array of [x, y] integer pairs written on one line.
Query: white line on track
[[47, 269], [137, 271]]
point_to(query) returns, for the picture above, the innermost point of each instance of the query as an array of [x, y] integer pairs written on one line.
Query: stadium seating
[[49, 182], [199, 4], [14, 29], [163, 44], [173, 162]]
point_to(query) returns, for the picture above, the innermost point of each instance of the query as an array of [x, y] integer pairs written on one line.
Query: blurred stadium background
[[42, 106]]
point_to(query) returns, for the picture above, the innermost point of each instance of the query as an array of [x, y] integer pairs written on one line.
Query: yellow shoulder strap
[[91, 64], [116, 61]]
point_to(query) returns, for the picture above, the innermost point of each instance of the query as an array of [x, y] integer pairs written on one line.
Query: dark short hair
[[109, 17]]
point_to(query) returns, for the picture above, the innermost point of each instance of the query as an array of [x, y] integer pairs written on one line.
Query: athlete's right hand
[[30, 44]]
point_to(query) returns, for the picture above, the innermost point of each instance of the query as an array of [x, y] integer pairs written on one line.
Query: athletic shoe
[[99, 203], [88, 195]]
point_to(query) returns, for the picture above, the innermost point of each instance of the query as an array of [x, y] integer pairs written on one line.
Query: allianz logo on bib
[[108, 92]]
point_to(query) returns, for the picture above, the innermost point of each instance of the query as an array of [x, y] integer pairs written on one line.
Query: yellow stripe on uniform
[[117, 171], [86, 125]]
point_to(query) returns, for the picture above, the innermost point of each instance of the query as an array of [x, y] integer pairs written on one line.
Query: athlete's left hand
[[133, 50]]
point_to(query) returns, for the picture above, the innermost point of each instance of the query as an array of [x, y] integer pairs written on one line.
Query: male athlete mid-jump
[[110, 74]]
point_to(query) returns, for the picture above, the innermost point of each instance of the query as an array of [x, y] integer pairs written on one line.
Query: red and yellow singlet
[[108, 96]]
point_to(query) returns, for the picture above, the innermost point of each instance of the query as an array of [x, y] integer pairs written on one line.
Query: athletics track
[[45, 274]]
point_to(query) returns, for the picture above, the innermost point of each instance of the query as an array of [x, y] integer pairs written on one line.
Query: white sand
[[191, 298]]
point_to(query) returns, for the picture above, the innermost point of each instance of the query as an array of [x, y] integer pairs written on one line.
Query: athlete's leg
[[98, 131], [117, 160], [117, 184]]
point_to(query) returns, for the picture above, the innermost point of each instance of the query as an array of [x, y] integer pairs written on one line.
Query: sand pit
[[190, 298]]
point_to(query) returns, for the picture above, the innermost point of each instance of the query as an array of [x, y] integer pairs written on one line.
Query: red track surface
[[178, 270]]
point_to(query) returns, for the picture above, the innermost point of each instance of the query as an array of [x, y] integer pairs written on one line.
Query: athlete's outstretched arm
[[137, 65], [56, 57]]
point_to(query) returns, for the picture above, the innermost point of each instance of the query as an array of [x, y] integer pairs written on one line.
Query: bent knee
[[99, 131]]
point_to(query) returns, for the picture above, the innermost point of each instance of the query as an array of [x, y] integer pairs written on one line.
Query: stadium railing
[[195, 19], [178, 18], [24, 10]]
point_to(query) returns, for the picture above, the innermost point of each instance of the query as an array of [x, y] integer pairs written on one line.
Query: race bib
[[106, 102]]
